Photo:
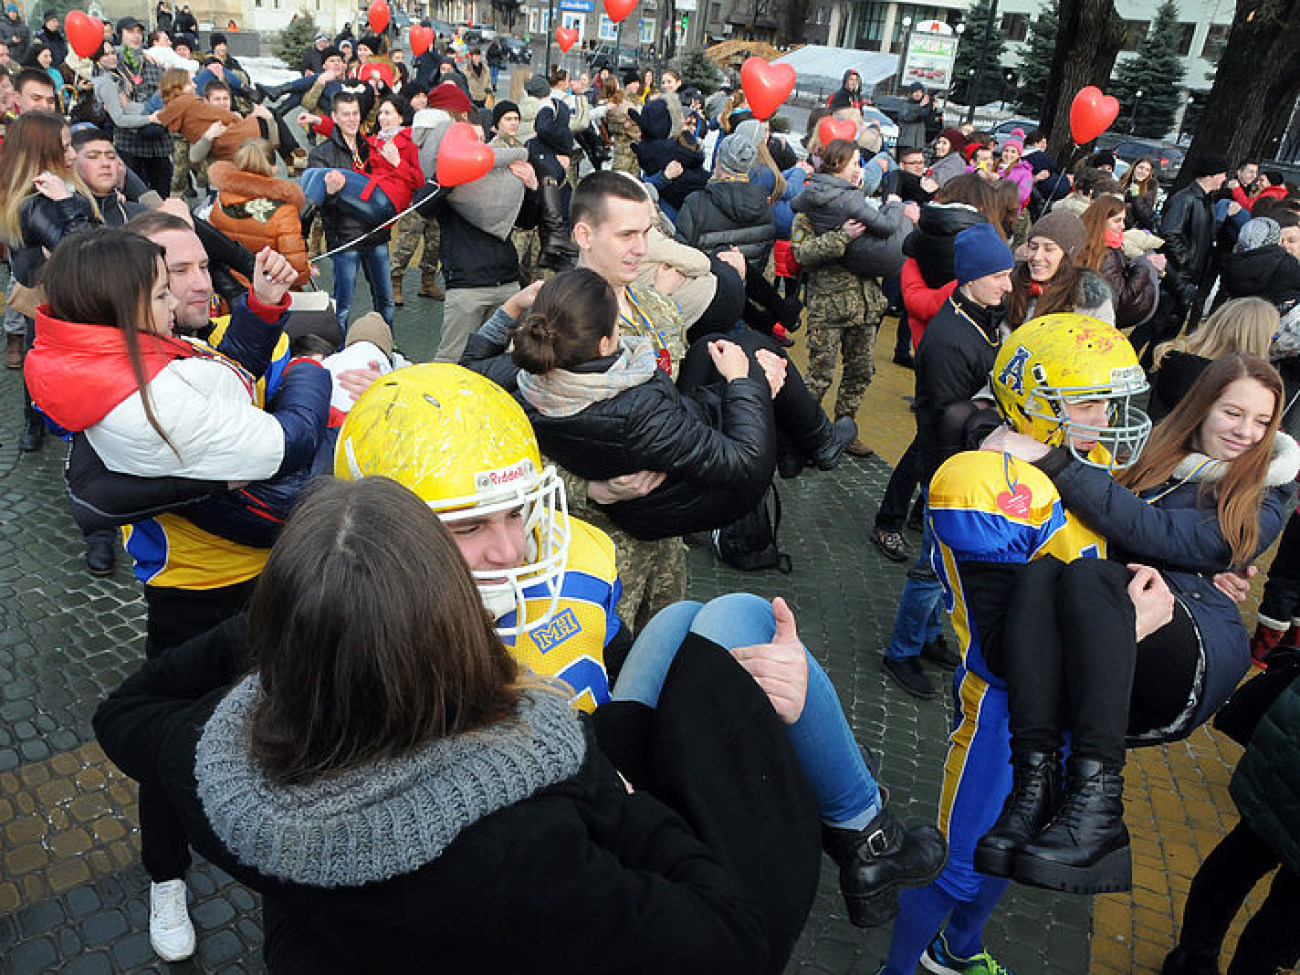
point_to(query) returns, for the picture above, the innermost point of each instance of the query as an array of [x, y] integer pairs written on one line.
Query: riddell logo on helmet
[[504, 477]]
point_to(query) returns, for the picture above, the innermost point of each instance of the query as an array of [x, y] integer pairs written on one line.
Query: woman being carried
[[1209, 493]]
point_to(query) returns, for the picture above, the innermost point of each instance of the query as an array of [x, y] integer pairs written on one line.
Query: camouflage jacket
[[820, 256]]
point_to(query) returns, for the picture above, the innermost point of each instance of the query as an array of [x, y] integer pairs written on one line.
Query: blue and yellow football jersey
[[571, 645], [987, 508]]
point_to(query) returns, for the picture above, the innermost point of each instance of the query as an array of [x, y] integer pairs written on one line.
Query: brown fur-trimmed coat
[[260, 211]]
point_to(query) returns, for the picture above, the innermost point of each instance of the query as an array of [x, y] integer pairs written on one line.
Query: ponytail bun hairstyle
[[574, 310]]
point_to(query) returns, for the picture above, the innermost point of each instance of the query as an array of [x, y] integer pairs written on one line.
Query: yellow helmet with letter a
[[1051, 362], [464, 445]]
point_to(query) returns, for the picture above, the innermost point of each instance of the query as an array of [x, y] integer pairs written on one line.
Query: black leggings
[[1272, 939], [1072, 663], [175, 616]]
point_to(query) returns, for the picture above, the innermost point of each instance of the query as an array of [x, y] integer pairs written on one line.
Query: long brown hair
[[101, 276], [974, 190], [33, 145], [1057, 295], [1100, 210], [1149, 185], [1239, 493], [358, 662]]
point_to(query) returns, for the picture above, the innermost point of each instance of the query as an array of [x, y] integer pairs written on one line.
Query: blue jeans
[[373, 211], [495, 72], [374, 262], [847, 794], [919, 620]]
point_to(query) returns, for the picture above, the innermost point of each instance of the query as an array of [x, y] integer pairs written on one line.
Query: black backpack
[[749, 543]]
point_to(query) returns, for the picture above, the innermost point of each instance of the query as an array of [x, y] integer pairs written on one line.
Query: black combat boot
[[1085, 849], [831, 441], [878, 861], [1035, 795]]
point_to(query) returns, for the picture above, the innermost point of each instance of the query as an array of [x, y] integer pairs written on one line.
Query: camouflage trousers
[[653, 574], [529, 247], [406, 238], [842, 326]]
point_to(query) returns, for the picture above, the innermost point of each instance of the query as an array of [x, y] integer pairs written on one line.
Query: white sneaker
[[170, 930]]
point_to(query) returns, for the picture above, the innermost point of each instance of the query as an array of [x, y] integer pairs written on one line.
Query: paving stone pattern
[[73, 898]]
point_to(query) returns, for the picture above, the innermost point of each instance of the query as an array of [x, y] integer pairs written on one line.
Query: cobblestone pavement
[[73, 896]]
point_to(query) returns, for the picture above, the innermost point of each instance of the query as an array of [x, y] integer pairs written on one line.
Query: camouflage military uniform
[[622, 133], [844, 314], [653, 574], [407, 237], [657, 317]]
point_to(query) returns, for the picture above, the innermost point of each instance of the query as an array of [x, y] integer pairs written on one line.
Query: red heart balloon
[[420, 38], [766, 85], [829, 129], [378, 70], [378, 16], [1091, 114], [85, 33], [619, 9], [461, 157], [566, 37]]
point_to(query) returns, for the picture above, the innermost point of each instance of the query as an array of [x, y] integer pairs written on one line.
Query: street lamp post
[[1132, 118], [902, 58]]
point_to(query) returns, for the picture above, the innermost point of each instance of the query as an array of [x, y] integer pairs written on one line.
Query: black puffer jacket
[[931, 242], [726, 214], [717, 446], [1266, 272]]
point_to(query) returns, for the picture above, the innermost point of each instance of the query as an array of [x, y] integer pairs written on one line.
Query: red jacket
[[921, 301], [399, 182], [1248, 202]]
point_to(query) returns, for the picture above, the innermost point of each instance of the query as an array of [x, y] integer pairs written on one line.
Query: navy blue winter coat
[[1178, 533]]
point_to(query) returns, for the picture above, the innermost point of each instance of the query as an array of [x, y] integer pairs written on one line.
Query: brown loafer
[[859, 448]]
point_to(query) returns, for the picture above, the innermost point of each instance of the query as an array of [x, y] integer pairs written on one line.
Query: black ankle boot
[[1035, 794], [878, 861], [1085, 849], [1185, 961], [305, 219], [831, 442]]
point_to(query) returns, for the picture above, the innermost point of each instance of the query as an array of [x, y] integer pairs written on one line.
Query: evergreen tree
[[968, 57], [700, 72], [1156, 70], [297, 37], [1036, 59]]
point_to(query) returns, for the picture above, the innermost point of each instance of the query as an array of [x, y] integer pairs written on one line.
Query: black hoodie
[[1266, 272], [845, 98], [731, 213]]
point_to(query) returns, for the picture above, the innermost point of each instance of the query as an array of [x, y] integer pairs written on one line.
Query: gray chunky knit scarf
[[384, 820]]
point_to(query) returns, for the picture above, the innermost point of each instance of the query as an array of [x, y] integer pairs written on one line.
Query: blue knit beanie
[[978, 251]]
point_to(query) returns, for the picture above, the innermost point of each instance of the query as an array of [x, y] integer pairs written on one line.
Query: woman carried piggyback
[[602, 406]]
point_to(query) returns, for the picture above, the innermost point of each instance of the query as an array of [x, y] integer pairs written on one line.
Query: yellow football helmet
[[464, 445], [1067, 358]]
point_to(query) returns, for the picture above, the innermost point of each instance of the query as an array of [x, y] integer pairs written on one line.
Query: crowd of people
[[535, 706]]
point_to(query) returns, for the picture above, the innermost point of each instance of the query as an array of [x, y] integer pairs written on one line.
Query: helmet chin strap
[[498, 603]]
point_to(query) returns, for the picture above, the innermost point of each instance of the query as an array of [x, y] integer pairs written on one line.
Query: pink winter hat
[[1016, 138]]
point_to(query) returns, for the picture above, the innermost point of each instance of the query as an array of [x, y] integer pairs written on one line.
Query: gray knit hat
[[751, 130], [537, 86], [1258, 232], [735, 154], [1064, 229]]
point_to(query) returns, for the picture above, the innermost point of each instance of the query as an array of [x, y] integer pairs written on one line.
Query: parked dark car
[[604, 57], [1130, 150], [517, 52], [1004, 129]]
